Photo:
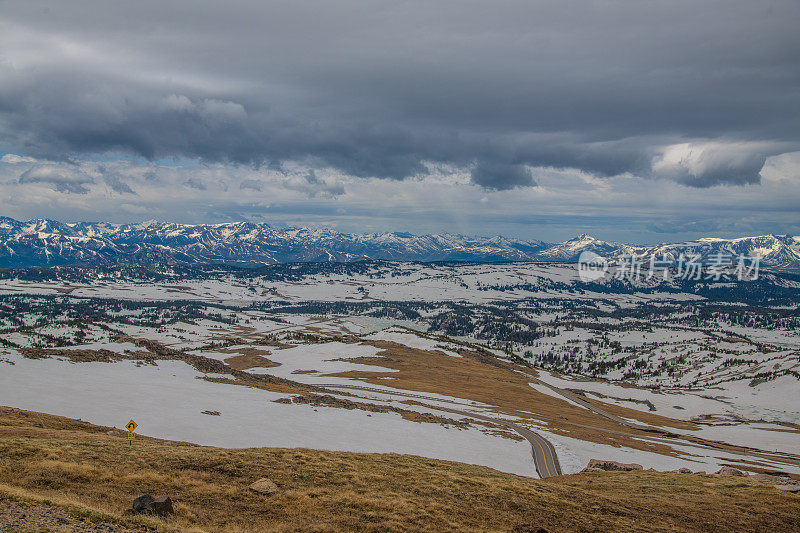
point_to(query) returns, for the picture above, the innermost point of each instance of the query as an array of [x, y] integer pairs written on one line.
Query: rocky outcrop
[[596, 465]]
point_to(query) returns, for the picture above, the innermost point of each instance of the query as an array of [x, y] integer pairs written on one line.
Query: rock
[[163, 506], [142, 503], [212, 413], [613, 465], [264, 486], [591, 469], [113, 433], [728, 471], [683, 470], [146, 504], [788, 488]]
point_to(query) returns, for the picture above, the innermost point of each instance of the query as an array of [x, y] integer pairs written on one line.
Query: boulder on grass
[[264, 486], [146, 504]]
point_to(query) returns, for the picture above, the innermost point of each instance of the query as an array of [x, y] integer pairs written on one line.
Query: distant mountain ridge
[[43, 242]]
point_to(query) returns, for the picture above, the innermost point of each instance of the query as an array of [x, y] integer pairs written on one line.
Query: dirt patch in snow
[[246, 362], [327, 400]]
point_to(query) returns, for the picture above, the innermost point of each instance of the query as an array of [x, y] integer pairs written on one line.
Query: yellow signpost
[[131, 426]]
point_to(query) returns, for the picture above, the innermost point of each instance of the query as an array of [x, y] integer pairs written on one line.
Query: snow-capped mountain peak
[[43, 242]]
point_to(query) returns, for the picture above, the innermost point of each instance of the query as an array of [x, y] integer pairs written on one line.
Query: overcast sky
[[638, 121]]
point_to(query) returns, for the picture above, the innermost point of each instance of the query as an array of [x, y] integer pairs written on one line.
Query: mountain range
[[43, 242]]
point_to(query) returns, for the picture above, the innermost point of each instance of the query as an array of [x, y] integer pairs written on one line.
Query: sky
[[630, 121]]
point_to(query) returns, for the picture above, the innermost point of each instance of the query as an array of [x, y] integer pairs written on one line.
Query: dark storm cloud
[[501, 176], [380, 88], [731, 170], [706, 165]]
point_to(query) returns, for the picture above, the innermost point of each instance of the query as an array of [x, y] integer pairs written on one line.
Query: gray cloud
[[312, 186], [565, 202], [709, 164], [501, 176], [699, 227], [60, 178], [253, 185], [195, 183], [115, 180], [378, 89]]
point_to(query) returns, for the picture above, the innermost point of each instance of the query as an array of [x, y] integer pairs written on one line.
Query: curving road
[[544, 454], [586, 405]]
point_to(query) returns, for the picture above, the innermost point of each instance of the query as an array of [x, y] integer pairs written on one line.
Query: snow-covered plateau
[[458, 361]]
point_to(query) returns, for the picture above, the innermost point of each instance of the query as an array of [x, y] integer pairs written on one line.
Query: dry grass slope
[[78, 464]]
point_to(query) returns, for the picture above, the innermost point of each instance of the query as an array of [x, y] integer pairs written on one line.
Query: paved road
[[544, 454], [586, 405], [665, 436]]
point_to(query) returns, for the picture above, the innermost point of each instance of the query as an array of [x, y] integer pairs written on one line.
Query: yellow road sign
[[131, 426], [131, 435]]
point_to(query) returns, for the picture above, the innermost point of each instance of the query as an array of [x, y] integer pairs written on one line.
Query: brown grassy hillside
[[79, 465]]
